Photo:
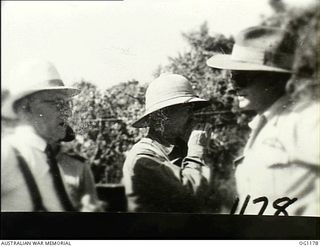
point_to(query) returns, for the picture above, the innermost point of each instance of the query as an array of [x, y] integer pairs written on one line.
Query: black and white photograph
[[162, 119]]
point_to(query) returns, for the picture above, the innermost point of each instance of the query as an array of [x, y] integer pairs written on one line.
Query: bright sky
[[107, 42]]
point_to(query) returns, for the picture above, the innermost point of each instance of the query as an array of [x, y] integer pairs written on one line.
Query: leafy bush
[[102, 120]]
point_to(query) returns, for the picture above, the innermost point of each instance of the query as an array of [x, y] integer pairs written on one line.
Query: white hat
[[167, 90], [30, 77]]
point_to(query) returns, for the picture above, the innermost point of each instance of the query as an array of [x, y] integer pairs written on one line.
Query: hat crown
[[268, 39], [30, 77], [34, 74], [259, 48], [167, 90], [167, 87]]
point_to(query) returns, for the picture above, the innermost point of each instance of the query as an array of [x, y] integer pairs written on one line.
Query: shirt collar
[[27, 133], [278, 106], [166, 149]]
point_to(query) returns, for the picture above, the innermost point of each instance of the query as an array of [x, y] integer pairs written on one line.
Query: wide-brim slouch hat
[[259, 48]]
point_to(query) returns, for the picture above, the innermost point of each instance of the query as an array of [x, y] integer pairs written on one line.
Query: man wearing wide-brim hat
[[279, 171], [165, 171], [39, 102]]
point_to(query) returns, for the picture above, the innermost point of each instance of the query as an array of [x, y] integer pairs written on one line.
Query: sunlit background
[[107, 42]]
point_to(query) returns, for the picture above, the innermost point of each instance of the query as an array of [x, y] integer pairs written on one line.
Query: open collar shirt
[[281, 162], [15, 195]]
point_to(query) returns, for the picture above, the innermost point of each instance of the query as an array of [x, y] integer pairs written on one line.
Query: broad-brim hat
[[168, 90], [258, 49], [31, 77]]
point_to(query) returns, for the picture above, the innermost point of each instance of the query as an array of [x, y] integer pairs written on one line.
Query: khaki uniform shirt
[[157, 182], [280, 166]]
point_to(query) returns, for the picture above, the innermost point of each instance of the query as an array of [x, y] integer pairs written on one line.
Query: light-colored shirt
[[155, 183], [15, 195], [281, 165]]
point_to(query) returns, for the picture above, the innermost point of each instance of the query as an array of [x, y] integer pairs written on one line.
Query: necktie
[[57, 179], [262, 120]]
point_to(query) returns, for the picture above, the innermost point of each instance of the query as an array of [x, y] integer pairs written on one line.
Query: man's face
[[178, 119], [49, 113], [254, 90]]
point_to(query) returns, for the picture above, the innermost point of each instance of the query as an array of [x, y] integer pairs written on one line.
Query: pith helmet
[[167, 90], [258, 49], [30, 77]]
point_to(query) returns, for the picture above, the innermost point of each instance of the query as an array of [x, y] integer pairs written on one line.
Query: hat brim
[[223, 61], [7, 109], [142, 121]]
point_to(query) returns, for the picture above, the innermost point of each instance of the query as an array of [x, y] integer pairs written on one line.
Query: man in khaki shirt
[[279, 172], [165, 171]]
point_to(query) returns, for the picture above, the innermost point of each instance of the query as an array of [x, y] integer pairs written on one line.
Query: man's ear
[[22, 106]]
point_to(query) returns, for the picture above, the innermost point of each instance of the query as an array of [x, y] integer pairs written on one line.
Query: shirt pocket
[[261, 167], [269, 148], [274, 152]]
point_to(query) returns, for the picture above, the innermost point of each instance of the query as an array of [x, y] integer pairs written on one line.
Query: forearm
[[196, 174], [194, 170]]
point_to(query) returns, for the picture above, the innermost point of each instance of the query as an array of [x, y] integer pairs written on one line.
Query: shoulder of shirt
[[7, 147], [306, 106], [294, 111], [306, 111], [8, 144], [24, 136], [7, 139], [74, 158], [144, 149], [299, 116], [144, 146]]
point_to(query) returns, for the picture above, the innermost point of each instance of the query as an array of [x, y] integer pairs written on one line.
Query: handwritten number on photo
[[280, 205], [281, 208], [264, 205]]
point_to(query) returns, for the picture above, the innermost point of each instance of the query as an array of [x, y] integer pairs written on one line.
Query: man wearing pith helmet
[[165, 171], [278, 173], [31, 179]]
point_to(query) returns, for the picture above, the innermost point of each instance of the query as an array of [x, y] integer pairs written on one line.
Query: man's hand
[[199, 139], [88, 206]]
